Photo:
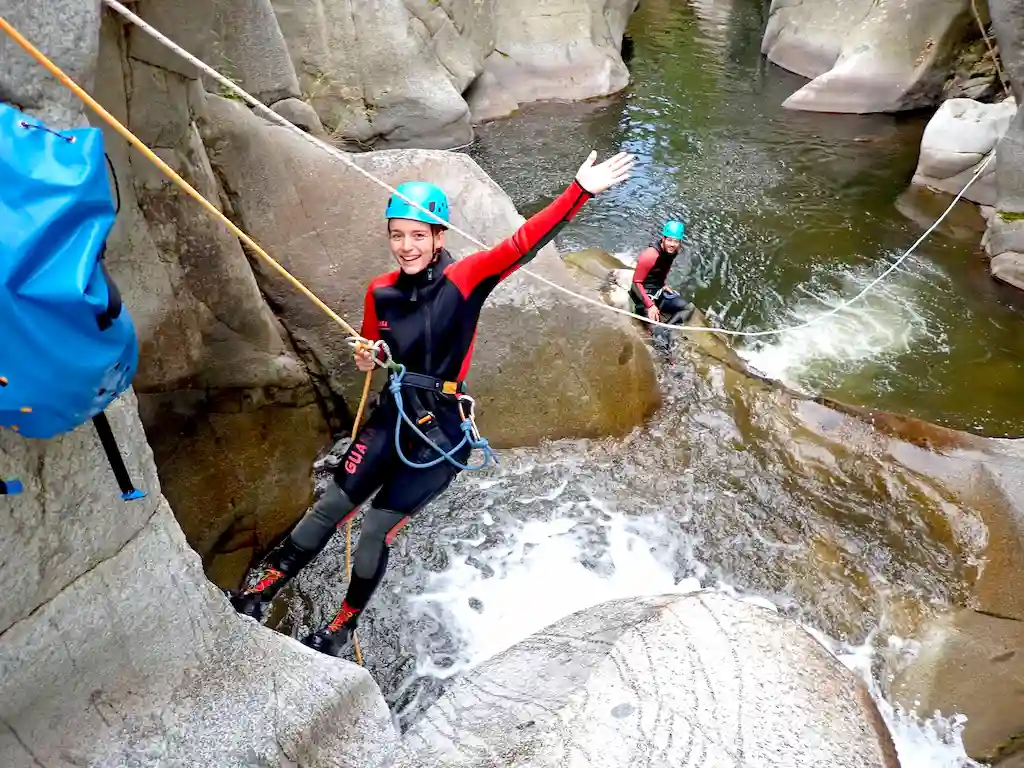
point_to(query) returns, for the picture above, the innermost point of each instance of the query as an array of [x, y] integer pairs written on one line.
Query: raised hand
[[597, 178]]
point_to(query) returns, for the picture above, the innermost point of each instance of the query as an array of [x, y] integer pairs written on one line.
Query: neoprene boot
[[336, 636], [276, 570]]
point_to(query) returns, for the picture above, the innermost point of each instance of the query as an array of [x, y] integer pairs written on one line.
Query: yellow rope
[[348, 525], [132, 139], [991, 48]]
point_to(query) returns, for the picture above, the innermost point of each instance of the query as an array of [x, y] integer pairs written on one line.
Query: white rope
[[344, 158]]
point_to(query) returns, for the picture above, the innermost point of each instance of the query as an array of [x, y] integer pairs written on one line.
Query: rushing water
[[727, 488]]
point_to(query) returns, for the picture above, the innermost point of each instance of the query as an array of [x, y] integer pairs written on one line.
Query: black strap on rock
[[106, 435]]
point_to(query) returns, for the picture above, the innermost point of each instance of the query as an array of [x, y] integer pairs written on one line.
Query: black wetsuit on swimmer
[[429, 321]]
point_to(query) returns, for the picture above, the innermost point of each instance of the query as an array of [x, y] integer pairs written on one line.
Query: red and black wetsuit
[[429, 321], [651, 273]]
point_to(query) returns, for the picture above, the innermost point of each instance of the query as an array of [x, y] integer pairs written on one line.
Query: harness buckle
[[450, 387]]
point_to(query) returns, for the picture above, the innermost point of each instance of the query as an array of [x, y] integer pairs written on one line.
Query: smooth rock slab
[[140, 662], [701, 680]]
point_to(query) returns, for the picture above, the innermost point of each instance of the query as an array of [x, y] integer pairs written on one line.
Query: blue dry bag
[[67, 345]]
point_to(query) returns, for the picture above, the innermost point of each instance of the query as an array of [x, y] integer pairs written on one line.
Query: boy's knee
[[373, 539], [319, 523]]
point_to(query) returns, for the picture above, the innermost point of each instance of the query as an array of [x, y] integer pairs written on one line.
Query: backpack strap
[[128, 490], [114, 302], [106, 434]]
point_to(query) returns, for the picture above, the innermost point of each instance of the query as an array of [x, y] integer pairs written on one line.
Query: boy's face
[[413, 244]]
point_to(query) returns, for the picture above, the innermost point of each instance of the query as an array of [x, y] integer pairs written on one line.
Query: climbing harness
[[425, 424], [70, 347], [470, 436], [269, 114]]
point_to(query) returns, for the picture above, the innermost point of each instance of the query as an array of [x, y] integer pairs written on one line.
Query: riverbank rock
[[552, 49], [231, 414], [972, 664], [975, 74], [864, 56], [958, 138], [593, 262], [116, 650], [695, 680], [1008, 25], [544, 366], [1004, 240], [924, 205]]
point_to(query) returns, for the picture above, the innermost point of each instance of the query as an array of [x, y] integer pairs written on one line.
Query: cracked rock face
[[115, 650], [230, 412], [701, 680]]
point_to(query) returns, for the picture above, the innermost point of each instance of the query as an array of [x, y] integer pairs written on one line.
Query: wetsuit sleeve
[[493, 266], [370, 329], [648, 257]]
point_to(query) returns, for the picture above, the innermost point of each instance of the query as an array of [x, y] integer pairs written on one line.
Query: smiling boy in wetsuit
[[427, 312]]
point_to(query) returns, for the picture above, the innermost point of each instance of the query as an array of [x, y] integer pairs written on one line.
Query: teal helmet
[[430, 196], [673, 229]]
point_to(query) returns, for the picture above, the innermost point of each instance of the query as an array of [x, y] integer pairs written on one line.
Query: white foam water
[[492, 596], [881, 325]]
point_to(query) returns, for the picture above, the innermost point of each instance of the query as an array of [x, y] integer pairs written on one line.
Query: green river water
[[788, 214]]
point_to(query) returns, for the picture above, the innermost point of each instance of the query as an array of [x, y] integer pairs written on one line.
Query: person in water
[[650, 279], [427, 312]]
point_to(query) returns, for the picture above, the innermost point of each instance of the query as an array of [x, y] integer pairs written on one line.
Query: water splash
[[492, 596], [855, 342], [935, 742]]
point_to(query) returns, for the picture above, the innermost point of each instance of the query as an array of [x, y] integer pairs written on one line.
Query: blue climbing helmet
[[430, 196], [673, 229], [68, 346]]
